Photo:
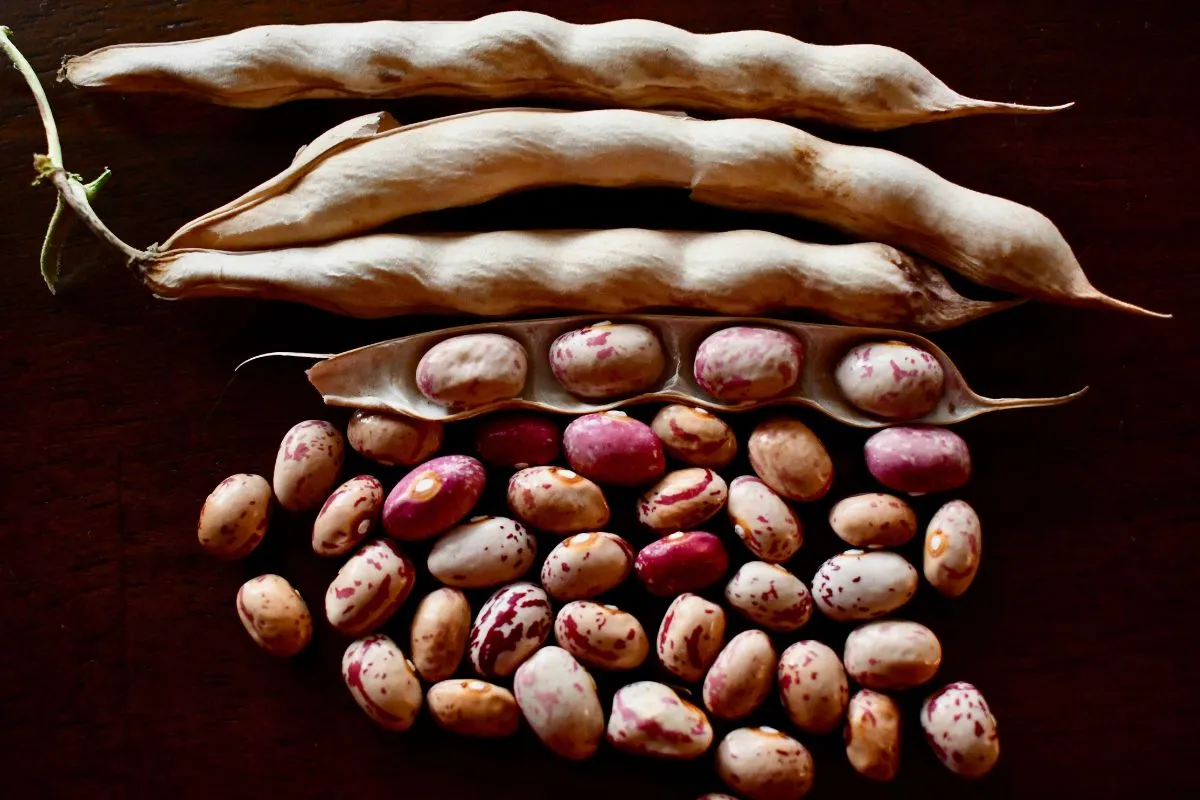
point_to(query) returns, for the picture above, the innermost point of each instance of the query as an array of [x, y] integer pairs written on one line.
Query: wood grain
[[125, 673]]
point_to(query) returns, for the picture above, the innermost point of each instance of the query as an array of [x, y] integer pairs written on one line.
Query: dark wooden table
[[124, 671]]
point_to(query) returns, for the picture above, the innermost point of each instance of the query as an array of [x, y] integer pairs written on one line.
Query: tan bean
[[586, 565], [764, 764], [960, 728], [790, 459], [382, 682], [235, 516], [813, 687], [482, 553], [557, 500], [873, 520], [474, 708], [601, 636], [741, 677], [770, 596], [892, 654], [873, 735], [369, 588], [391, 439], [763, 521], [275, 615], [347, 516], [694, 436], [308, 465], [682, 500], [438, 634], [953, 546], [558, 699], [650, 719], [690, 637]]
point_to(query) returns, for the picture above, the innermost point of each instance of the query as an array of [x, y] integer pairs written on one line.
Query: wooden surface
[[124, 671]]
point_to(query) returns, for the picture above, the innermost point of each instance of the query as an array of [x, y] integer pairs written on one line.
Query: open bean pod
[[384, 376]]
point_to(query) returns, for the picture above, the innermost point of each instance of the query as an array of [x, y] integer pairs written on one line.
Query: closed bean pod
[[790, 459], [681, 562], [433, 497], [369, 588], [586, 565], [347, 516], [275, 615], [891, 379], [873, 735], [683, 499], [613, 449], [474, 708], [694, 436], [650, 719], [813, 687], [557, 500], [770, 596], [763, 521], [690, 637], [607, 360], [511, 626], [892, 654], [953, 547], [382, 682], [601, 636], [517, 440], [308, 465], [764, 764], [558, 699], [235, 516], [857, 585], [472, 370], [873, 520], [482, 553], [960, 728], [392, 439], [742, 676], [918, 460], [438, 634], [745, 363]]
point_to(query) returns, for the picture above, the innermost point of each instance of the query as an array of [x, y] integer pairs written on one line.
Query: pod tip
[[1105, 301]]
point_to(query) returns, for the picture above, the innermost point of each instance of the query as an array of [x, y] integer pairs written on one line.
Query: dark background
[[124, 670]]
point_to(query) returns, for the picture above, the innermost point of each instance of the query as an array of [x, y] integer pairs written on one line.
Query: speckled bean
[[918, 460], [873, 520], [690, 637], [472, 370], [369, 588], [275, 615], [763, 521], [382, 682], [601, 636], [347, 516], [953, 546], [438, 634], [558, 699], [308, 465], [741, 677], [517, 440], [770, 596], [746, 363], [764, 764], [557, 500], [391, 439], [586, 565], [613, 449], [684, 561], [873, 735], [892, 654], [433, 497], [511, 626], [890, 379], [482, 553], [474, 708], [790, 459], [607, 360], [858, 585], [650, 719], [234, 517], [960, 728], [682, 499], [695, 436], [813, 687]]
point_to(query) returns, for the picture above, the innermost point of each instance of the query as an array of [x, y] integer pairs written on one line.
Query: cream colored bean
[[650, 719], [770, 596], [813, 687], [558, 699], [369, 588], [382, 682], [347, 516], [472, 370], [586, 565], [892, 654], [763, 521], [391, 439], [873, 520], [235, 516], [690, 637], [510, 627], [484, 552], [438, 634], [275, 615], [858, 585], [601, 636], [953, 547], [308, 465], [790, 459], [741, 677], [695, 436], [682, 500], [474, 708], [873, 735], [960, 728], [743, 363], [557, 500], [764, 764], [607, 360], [890, 379]]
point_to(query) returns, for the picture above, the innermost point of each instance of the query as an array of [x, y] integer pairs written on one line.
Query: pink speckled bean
[[586, 565], [890, 379], [873, 735], [763, 521], [650, 719], [960, 728], [813, 687], [558, 698], [391, 439], [790, 459], [690, 637], [742, 676], [682, 499], [557, 500], [438, 634], [918, 460], [308, 465], [382, 682], [770, 596], [275, 615], [873, 520], [369, 588], [482, 553], [472, 370], [745, 363], [347, 516], [892, 654], [474, 708], [601, 636], [433, 497], [858, 585], [953, 546], [607, 360], [764, 764], [511, 626], [613, 449], [517, 440], [681, 562], [235, 516], [695, 436]]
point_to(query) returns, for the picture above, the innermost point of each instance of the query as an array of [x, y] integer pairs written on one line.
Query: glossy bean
[[890, 379], [438, 634], [873, 735], [650, 719], [275, 615], [510, 627], [474, 708], [433, 497], [558, 699], [745, 363], [960, 728], [764, 764], [683, 499], [235, 516], [892, 654], [613, 449], [790, 459], [517, 440], [695, 436], [763, 521], [690, 637], [741, 677], [918, 460], [770, 596], [382, 682], [601, 636], [557, 500], [369, 588], [307, 465], [482, 553], [347, 516], [858, 585], [813, 687], [392, 439], [873, 520], [472, 370], [681, 562], [607, 360], [586, 565], [953, 547]]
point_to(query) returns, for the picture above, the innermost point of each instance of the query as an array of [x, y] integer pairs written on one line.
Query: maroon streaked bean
[[482, 553], [586, 565], [747, 363], [275, 615], [433, 497], [764, 764], [438, 634], [873, 520], [517, 440], [511, 626], [960, 728], [382, 682], [741, 677], [650, 719], [873, 735], [890, 379], [472, 370], [557, 500], [613, 449], [369, 588], [770, 596], [683, 499], [763, 521], [690, 637], [790, 459], [474, 708], [558, 699], [918, 460], [607, 360], [813, 687], [953, 547], [858, 585], [892, 654], [235, 515], [308, 465], [347, 516], [695, 436], [392, 439], [601, 636], [684, 561]]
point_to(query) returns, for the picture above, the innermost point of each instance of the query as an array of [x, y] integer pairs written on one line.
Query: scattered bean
[[472, 370], [770, 596], [683, 499], [474, 708], [690, 637], [743, 363], [873, 735], [482, 553], [694, 436], [586, 565], [681, 562], [517, 440], [650, 719], [235, 516], [741, 677], [433, 497], [510, 627], [391, 439], [308, 465], [892, 654], [763, 521], [813, 687], [275, 615], [347, 516], [614, 449], [438, 634], [382, 682], [790, 459], [605, 361], [857, 585], [601, 636], [369, 588], [557, 500], [960, 728], [918, 460], [873, 520], [764, 764], [890, 379], [558, 699], [953, 545]]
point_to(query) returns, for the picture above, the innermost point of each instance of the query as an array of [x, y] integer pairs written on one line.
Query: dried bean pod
[[690, 637], [308, 465], [764, 764], [770, 596], [650, 719], [763, 521], [953, 546], [439, 632], [474, 708], [433, 497], [347, 516], [558, 699], [873, 735], [604, 637], [960, 728], [369, 588], [694, 436], [510, 627], [891, 379], [741, 677], [586, 565], [392, 439], [813, 687], [382, 682], [557, 500], [873, 520], [275, 615], [607, 360], [682, 499], [235, 516], [517, 441], [613, 449], [790, 459]]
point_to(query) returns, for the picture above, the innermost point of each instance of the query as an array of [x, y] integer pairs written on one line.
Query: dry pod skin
[[607, 360], [472, 370], [586, 565], [558, 699], [474, 708], [891, 379], [694, 436], [347, 516], [650, 719], [790, 459], [510, 627], [517, 441], [873, 735], [308, 465], [557, 500], [234, 517], [613, 449], [369, 588], [433, 497], [813, 687], [764, 764], [892, 655], [770, 596], [953, 546], [873, 520], [743, 363], [438, 634], [763, 521], [741, 677], [275, 615], [601, 636], [682, 499], [960, 728], [482, 553], [918, 460], [857, 585], [391, 439], [382, 682], [690, 637], [682, 562]]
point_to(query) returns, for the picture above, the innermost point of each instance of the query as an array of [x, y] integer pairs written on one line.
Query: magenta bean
[[614, 449], [607, 360], [684, 561], [347, 516], [682, 499], [433, 497], [918, 460], [745, 363], [391, 439], [472, 370], [890, 379], [517, 440]]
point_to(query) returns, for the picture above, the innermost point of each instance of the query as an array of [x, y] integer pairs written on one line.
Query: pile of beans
[[707, 544]]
